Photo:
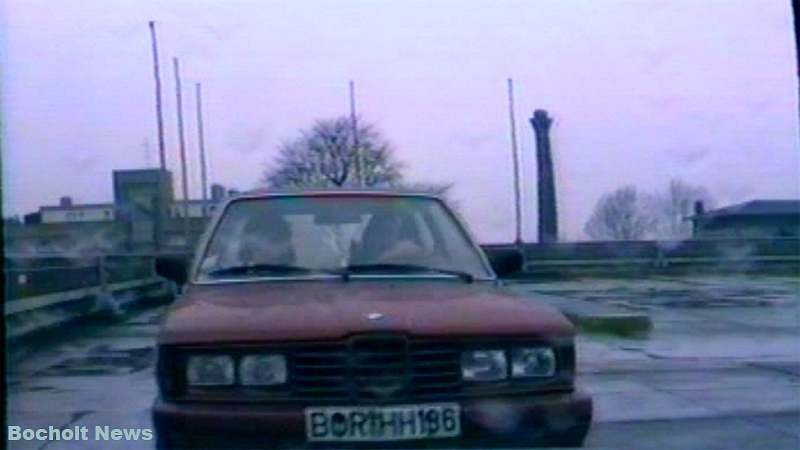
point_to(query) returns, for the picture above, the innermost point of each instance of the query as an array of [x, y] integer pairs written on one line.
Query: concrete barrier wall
[[43, 293], [32, 276], [633, 256]]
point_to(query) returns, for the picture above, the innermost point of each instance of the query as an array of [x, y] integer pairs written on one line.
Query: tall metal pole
[[796, 13], [159, 206], [182, 143], [201, 142], [354, 123], [515, 157], [159, 115]]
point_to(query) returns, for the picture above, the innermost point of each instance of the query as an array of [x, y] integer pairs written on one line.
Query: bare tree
[[670, 209], [325, 156], [619, 215]]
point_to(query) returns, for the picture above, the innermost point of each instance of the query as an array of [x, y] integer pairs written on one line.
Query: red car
[[353, 319]]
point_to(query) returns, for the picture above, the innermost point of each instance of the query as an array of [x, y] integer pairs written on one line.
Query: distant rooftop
[[85, 206], [194, 201], [755, 208], [75, 206]]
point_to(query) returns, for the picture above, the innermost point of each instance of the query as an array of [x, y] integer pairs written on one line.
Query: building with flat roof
[[66, 211], [144, 216], [753, 219]]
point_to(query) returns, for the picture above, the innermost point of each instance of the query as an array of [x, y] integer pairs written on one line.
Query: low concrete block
[[619, 324], [591, 317]]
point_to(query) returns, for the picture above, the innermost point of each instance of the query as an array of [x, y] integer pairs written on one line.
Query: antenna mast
[[159, 116], [354, 123], [201, 142], [515, 158], [182, 143]]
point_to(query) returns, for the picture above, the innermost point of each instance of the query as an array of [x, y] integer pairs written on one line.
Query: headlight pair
[[219, 370], [492, 365]]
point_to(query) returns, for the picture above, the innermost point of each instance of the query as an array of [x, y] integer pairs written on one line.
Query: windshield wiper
[[345, 272], [259, 269], [405, 269]]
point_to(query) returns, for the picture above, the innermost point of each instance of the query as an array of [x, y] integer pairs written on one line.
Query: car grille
[[375, 368], [363, 369]]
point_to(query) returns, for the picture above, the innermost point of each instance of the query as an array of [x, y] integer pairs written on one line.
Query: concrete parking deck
[[723, 372]]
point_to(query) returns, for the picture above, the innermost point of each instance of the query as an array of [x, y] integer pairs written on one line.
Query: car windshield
[[343, 235]]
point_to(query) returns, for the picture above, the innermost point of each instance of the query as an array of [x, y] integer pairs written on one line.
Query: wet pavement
[[720, 369]]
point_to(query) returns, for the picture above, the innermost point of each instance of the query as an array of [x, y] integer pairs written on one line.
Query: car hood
[[321, 310]]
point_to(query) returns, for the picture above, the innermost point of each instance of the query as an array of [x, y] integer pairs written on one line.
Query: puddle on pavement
[[715, 302], [152, 319], [691, 299], [790, 368], [103, 361], [40, 388]]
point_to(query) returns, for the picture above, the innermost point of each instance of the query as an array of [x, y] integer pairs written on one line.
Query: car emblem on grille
[[375, 316], [386, 388]]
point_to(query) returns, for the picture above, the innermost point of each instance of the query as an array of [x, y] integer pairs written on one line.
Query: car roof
[[348, 192]]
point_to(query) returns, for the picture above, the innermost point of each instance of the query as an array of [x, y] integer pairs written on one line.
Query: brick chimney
[[548, 215], [699, 208], [217, 192]]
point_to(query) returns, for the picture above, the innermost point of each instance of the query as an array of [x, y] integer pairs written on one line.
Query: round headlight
[[533, 362], [209, 370], [484, 365], [262, 370]]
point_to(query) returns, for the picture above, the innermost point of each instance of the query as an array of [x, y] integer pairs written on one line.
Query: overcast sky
[[641, 92]]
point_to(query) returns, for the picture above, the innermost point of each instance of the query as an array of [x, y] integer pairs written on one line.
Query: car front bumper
[[561, 419]]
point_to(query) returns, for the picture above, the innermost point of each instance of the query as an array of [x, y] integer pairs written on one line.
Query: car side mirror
[[504, 261], [174, 268]]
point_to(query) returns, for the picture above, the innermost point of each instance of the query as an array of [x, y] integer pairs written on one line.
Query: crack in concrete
[[74, 417]]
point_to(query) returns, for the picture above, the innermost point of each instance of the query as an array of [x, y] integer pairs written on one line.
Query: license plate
[[383, 423]]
